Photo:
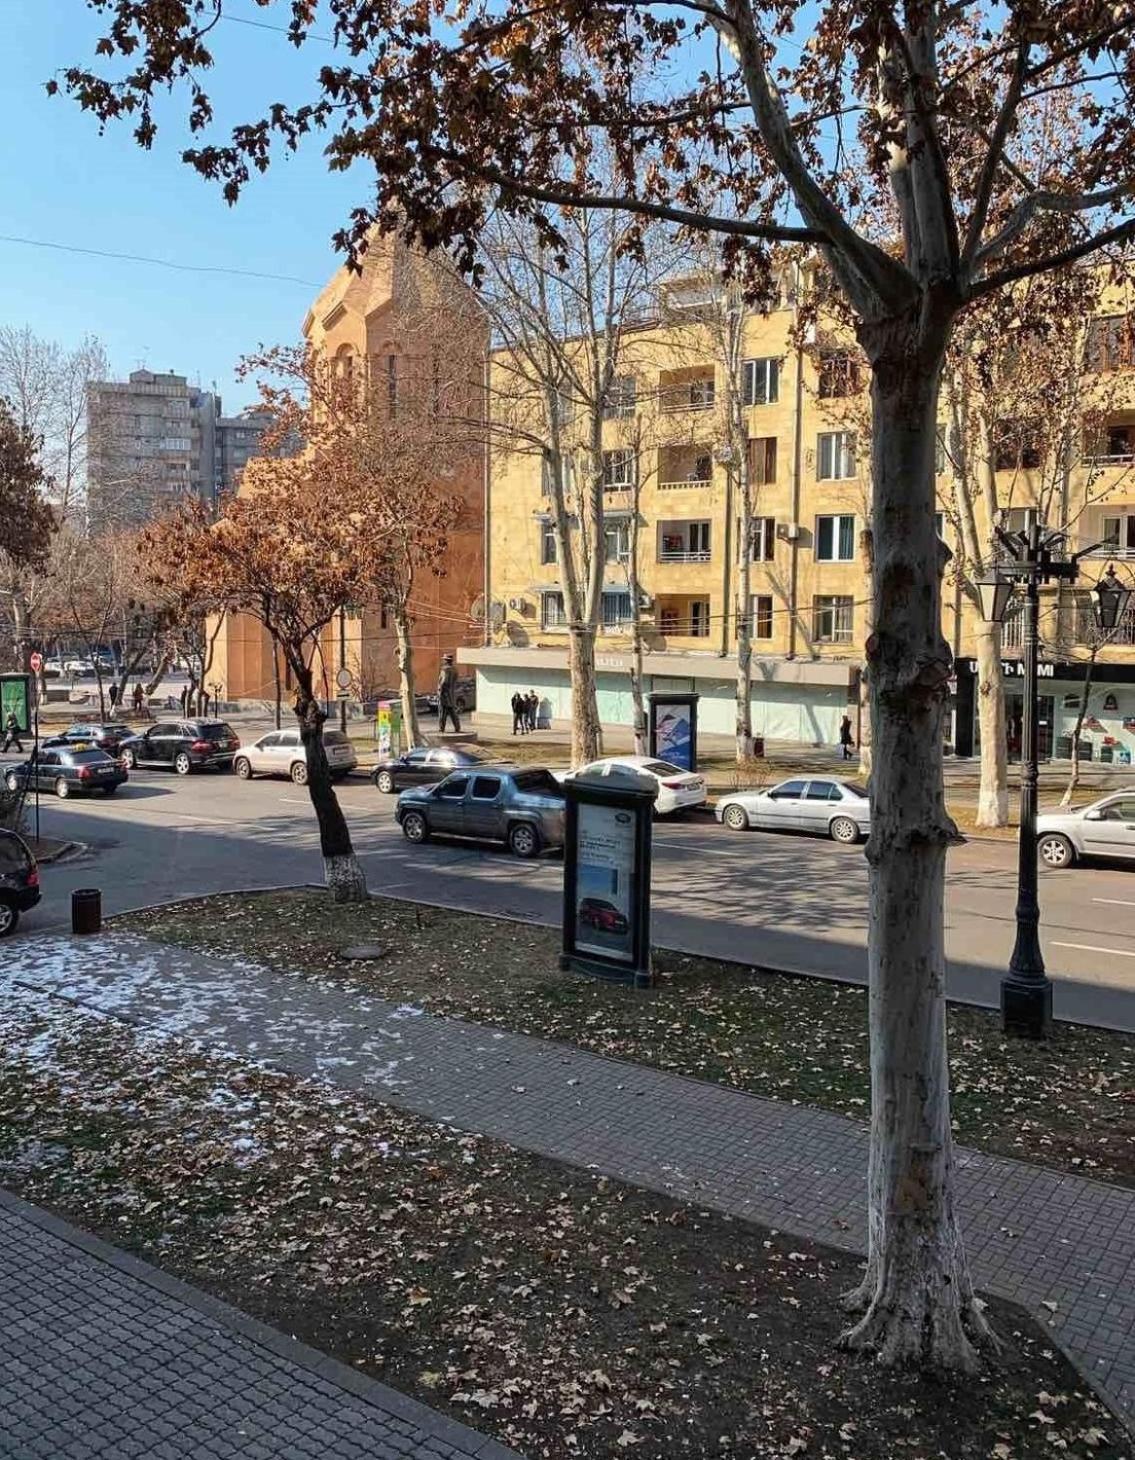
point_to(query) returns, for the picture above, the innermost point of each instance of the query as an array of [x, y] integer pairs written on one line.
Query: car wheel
[[414, 827], [299, 773], [242, 768], [736, 818], [12, 782], [129, 760], [523, 840], [182, 764], [1056, 851], [843, 829], [62, 788], [9, 917], [385, 783], [109, 790]]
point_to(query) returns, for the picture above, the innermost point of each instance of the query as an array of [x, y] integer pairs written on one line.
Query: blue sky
[[63, 183]]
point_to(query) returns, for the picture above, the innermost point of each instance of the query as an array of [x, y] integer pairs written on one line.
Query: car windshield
[[216, 731], [855, 788], [663, 768], [88, 757], [541, 783]]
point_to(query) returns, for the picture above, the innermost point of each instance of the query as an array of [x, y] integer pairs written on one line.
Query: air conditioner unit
[[792, 531], [645, 602], [782, 532], [516, 604]]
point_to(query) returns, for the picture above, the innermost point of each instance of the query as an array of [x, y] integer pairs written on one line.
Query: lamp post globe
[[1110, 598], [995, 591]]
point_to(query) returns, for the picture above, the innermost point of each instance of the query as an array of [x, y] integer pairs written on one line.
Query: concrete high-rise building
[[237, 441], [152, 441]]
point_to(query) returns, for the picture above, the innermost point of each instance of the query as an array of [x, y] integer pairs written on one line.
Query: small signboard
[[16, 698], [674, 729], [606, 920], [388, 724]]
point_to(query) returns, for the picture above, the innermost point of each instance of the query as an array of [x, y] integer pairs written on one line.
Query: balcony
[[681, 468], [682, 617], [683, 542], [686, 390]]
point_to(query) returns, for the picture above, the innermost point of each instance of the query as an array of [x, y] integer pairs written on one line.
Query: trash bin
[[86, 910], [758, 747]]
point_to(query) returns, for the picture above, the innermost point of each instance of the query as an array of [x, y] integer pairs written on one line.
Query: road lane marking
[[1093, 948], [1114, 901]]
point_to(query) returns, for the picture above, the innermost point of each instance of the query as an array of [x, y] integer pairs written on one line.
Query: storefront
[[1108, 731]]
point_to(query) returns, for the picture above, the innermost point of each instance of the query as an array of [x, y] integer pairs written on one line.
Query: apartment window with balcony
[[832, 618], [1016, 446], [835, 456], [835, 538], [687, 393], [760, 616], [699, 618], [547, 543], [688, 620], [683, 542], [762, 543], [621, 398], [761, 382], [839, 374], [616, 609], [553, 615], [617, 540], [1111, 343], [1113, 442], [618, 469]]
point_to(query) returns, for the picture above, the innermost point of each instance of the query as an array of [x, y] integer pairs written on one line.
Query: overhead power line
[[135, 258]]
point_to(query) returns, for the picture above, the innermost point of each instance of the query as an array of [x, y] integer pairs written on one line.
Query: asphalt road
[[777, 900]]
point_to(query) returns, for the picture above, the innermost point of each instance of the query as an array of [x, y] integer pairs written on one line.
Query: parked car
[[281, 753], [19, 881], [186, 745], [1106, 828], [67, 772], [421, 767], [78, 666], [520, 806], [84, 736], [827, 807], [598, 913], [464, 696], [678, 790]]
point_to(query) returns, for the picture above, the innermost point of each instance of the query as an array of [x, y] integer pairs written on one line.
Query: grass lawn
[[566, 1314], [1068, 1102]]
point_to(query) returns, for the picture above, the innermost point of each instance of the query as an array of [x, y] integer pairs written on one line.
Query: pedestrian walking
[[184, 699], [12, 734], [845, 738], [113, 697], [532, 702], [447, 696], [519, 713], [138, 697]]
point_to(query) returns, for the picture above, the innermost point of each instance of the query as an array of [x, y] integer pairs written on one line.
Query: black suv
[[19, 880], [184, 745]]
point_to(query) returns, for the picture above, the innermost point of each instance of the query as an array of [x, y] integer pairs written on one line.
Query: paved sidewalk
[[102, 1357], [1062, 1246]]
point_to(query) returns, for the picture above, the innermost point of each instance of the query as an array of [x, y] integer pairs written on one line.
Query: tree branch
[[1120, 234], [984, 191]]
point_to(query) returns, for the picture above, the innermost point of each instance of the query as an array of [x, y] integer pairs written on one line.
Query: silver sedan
[[1106, 828], [819, 804]]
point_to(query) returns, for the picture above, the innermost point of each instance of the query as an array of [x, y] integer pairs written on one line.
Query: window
[[547, 543], [835, 456], [835, 538], [552, 612], [1119, 535], [761, 382], [839, 374], [563, 409], [486, 788], [788, 791], [618, 469], [940, 525], [271, 741], [832, 619], [683, 542], [940, 453], [392, 384], [616, 609], [1016, 446], [620, 400], [617, 540], [453, 789], [762, 543], [760, 616], [699, 618], [822, 791], [1110, 343], [1119, 811], [762, 460], [548, 475]]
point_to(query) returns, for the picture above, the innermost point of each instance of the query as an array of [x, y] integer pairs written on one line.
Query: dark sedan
[[421, 767], [67, 772], [19, 881], [92, 736], [183, 746]]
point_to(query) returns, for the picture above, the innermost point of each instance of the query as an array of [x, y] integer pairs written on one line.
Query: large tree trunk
[[1078, 730], [411, 730], [341, 867], [916, 1298], [744, 718], [638, 701], [993, 792], [586, 740], [158, 675]]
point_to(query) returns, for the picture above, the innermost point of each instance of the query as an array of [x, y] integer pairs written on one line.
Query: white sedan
[[678, 790], [827, 807]]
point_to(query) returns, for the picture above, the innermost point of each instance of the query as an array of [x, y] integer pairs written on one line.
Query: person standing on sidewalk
[[519, 715], [845, 738], [532, 705], [447, 695]]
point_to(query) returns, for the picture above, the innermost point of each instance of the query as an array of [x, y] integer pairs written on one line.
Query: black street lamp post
[[1034, 556]]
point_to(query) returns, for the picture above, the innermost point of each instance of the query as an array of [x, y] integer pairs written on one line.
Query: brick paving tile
[[1035, 1236], [88, 1310]]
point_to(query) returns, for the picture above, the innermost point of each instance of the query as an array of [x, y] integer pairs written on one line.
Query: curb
[[435, 1424]]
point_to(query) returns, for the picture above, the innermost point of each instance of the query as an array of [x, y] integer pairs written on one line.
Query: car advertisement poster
[[673, 741], [16, 699], [604, 888]]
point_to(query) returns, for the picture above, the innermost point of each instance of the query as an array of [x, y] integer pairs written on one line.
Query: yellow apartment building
[[806, 421]]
